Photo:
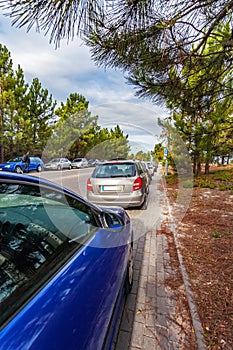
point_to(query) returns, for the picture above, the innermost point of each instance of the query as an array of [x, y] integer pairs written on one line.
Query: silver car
[[58, 164], [79, 163], [118, 183]]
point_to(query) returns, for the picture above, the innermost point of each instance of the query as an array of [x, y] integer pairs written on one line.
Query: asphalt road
[[74, 179]]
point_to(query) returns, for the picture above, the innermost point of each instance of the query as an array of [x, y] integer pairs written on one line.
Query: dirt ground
[[205, 237]]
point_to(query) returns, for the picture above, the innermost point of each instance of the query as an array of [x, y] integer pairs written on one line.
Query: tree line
[[178, 53], [30, 119]]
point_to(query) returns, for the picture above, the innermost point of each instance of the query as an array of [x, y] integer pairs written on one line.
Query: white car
[[58, 164], [79, 163]]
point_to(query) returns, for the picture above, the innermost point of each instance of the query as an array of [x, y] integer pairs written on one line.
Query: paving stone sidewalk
[[149, 320]]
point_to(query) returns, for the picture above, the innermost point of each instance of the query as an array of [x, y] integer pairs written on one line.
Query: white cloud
[[139, 121]]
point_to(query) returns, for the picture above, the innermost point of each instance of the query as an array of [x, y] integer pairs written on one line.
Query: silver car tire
[[143, 206]]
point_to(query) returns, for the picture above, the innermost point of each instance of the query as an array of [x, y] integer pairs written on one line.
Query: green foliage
[[189, 184], [141, 155], [110, 144], [171, 179], [38, 117], [25, 111], [223, 187], [207, 184], [29, 121], [221, 179], [223, 175], [216, 234], [158, 151], [7, 82]]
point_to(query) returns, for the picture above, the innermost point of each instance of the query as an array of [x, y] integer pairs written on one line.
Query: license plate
[[118, 188]]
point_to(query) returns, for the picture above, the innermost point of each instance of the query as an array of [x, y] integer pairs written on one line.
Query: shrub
[[189, 184], [223, 187]]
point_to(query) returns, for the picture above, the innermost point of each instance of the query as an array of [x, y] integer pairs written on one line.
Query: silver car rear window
[[115, 170]]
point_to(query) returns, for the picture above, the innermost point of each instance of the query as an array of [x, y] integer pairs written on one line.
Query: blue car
[[65, 267], [16, 165]]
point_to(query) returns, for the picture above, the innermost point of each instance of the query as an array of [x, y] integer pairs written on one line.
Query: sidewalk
[[156, 315]]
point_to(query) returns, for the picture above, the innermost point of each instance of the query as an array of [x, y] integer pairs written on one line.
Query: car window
[[16, 159], [40, 230], [115, 170]]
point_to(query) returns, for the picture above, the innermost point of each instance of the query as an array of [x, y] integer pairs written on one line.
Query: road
[[74, 180]]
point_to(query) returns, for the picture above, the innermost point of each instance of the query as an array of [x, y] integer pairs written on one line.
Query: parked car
[[79, 163], [93, 162], [122, 183], [147, 171], [151, 167], [58, 164], [16, 165], [65, 266], [155, 166]]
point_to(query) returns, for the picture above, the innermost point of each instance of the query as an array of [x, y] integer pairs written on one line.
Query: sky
[[69, 69]]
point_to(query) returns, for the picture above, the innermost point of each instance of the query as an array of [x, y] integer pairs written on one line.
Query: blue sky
[[69, 69]]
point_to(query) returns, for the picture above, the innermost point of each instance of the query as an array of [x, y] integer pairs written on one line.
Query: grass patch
[[171, 179], [189, 184], [216, 234], [221, 179], [223, 175]]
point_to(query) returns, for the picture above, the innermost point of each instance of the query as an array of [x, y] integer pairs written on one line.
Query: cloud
[[139, 121], [69, 69]]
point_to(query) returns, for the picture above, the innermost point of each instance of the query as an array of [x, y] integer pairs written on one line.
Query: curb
[[197, 325]]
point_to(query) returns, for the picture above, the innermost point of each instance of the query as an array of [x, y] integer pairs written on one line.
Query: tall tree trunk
[[198, 167], [1, 136], [196, 163], [207, 166]]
